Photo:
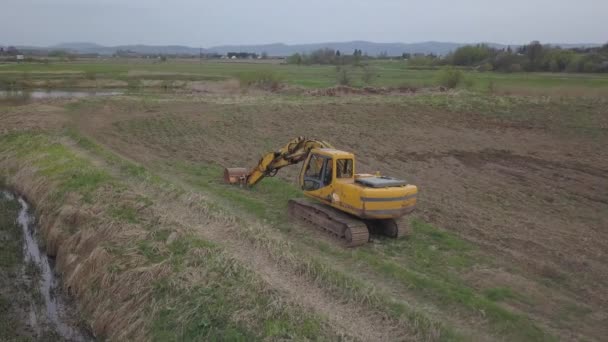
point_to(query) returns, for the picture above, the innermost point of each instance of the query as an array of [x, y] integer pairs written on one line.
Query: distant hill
[[279, 49]]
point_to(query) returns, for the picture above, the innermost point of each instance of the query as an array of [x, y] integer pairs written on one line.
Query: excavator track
[[354, 231], [389, 227]]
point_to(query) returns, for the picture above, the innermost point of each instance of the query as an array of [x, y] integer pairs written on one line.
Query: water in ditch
[[49, 309]]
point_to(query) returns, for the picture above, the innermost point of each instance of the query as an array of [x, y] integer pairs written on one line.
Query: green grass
[[124, 213], [56, 162], [221, 293], [387, 73], [499, 294], [429, 263], [569, 116], [267, 200]]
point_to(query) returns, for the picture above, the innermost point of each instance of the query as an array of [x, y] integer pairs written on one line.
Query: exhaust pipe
[[235, 175]]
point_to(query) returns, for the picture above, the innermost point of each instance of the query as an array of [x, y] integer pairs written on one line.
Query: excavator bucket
[[235, 175]]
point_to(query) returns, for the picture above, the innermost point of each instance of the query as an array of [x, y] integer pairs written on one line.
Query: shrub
[[515, 68], [368, 74], [296, 58], [491, 87], [90, 75], [134, 84], [450, 77], [263, 79], [470, 55], [486, 67], [469, 82], [343, 77]]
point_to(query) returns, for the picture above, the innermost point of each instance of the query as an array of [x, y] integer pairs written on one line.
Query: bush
[[485, 67], [90, 75], [296, 58], [343, 77], [469, 82], [470, 55], [491, 87], [262, 79], [450, 77], [134, 84], [515, 68], [368, 74]]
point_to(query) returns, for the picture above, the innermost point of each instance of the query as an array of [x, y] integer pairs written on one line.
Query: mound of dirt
[[346, 90]]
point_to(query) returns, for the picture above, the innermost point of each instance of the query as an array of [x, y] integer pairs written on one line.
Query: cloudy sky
[[208, 23]]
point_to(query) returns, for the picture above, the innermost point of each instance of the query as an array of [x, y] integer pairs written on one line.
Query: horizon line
[[294, 44]]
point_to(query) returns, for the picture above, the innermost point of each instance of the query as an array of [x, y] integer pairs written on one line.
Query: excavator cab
[[324, 167], [317, 172]]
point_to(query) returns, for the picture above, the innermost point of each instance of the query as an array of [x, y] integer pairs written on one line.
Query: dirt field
[[510, 233]]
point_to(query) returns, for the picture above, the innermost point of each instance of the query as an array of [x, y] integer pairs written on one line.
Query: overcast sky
[[207, 23]]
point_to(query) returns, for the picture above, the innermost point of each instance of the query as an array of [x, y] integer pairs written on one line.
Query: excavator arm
[[292, 153]]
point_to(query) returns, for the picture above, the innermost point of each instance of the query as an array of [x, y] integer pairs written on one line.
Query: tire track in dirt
[[349, 319]]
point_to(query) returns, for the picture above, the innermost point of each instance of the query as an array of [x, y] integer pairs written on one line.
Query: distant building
[[20, 57], [241, 55]]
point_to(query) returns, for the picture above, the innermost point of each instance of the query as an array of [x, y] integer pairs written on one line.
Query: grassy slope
[[175, 310], [428, 264], [344, 285]]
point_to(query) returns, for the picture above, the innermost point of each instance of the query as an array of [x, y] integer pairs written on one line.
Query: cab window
[[314, 167], [344, 168], [318, 173]]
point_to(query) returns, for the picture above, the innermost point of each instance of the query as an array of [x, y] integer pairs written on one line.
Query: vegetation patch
[[230, 313], [429, 263], [450, 77], [263, 79], [211, 295]]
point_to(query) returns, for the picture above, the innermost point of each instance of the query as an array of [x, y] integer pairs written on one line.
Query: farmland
[[508, 239], [123, 73]]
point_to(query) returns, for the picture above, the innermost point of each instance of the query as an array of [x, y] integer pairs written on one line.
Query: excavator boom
[[292, 153]]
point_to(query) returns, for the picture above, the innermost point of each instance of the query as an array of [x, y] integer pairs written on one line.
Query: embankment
[[135, 273]]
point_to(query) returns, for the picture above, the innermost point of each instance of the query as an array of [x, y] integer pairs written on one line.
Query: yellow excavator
[[348, 204]]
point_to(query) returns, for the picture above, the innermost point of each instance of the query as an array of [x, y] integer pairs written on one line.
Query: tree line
[[530, 57], [327, 56]]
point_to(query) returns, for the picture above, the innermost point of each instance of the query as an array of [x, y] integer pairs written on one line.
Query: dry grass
[[116, 268]]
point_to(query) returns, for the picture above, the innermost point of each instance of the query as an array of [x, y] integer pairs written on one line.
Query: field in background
[[101, 73], [508, 239]]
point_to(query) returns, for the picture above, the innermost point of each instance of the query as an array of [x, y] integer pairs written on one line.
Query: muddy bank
[[32, 303]]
